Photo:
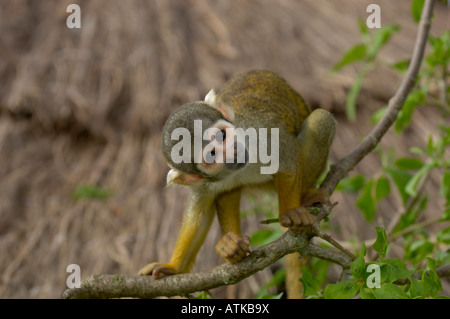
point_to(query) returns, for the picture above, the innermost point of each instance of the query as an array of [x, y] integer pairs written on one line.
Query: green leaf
[[417, 290], [203, 295], [355, 53], [444, 190], [311, 285], [366, 293], [277, 279], [358, 267], [363, 29], [442, 54], [390, 291], [351, 184], [418, 250], [401, 66], [443, 257], [417, 150], [352, 96], [382, 188], [395, 269], [439, 54], [411, 187], [91, 192], [430, 145], [408, 163], [416, 9], [431, 263], [264, 236], [431, 284], [444, 236], [380, 244], [320, 267], [342, 290], [400, 178], [380, 38], [446, 214], [366, 202], [413, 100], [410, 217], [378, 115]]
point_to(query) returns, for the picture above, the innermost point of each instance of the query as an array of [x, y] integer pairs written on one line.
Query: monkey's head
[[199, 144]]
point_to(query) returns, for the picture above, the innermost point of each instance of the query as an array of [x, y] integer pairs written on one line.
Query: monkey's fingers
[[157, 270], [296, 220], [314, 196], [233, 247]]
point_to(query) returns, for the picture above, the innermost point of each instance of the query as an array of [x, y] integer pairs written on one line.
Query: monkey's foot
[[297, 220], [157, 270], [233, 247], [314, 196]]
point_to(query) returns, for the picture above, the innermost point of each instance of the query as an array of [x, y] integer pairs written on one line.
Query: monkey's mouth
[[235, 166], [240, 157]]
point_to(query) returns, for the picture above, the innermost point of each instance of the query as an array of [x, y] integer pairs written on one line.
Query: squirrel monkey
[[219, 167]]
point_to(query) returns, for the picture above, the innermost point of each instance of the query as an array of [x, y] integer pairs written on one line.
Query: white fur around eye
[[222, 125]]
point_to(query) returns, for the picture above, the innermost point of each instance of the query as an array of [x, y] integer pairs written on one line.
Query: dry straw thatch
[[86, 106]]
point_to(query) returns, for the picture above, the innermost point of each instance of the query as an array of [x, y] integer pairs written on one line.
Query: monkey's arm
[[288, 183], [196, 222], [308, 157], [231, 246], [316, 137], [291, 214]]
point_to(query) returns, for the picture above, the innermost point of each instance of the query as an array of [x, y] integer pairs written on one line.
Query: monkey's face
[[221, 153], [199, 144]]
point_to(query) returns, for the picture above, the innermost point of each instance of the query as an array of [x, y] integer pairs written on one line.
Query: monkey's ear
[[177, 177], [211, 100]]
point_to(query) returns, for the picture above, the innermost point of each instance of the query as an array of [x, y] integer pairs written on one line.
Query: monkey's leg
[[288, 182], [315, 138], [231, 246], [196, 223], [295, 218], [309, 155]]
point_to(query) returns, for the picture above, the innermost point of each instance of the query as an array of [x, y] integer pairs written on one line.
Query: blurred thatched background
[[86, 106]]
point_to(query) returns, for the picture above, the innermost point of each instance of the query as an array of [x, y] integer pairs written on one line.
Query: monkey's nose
[[240, 157], [240, 153]]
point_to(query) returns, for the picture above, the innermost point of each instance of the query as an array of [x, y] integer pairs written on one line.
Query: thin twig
[[414, 227], [333, 242]]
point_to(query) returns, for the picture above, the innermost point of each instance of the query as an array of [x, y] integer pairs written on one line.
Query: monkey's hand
[[296, 220], [233, 247], [157, 270], [314, 196]]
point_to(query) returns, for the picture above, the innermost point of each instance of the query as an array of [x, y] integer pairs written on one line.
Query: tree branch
[[114, 286]]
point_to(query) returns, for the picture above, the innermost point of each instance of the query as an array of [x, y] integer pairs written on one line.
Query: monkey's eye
[[221, 135], [210, 157]]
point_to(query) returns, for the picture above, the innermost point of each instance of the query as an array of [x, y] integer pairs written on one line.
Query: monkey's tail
[[294, 287]]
